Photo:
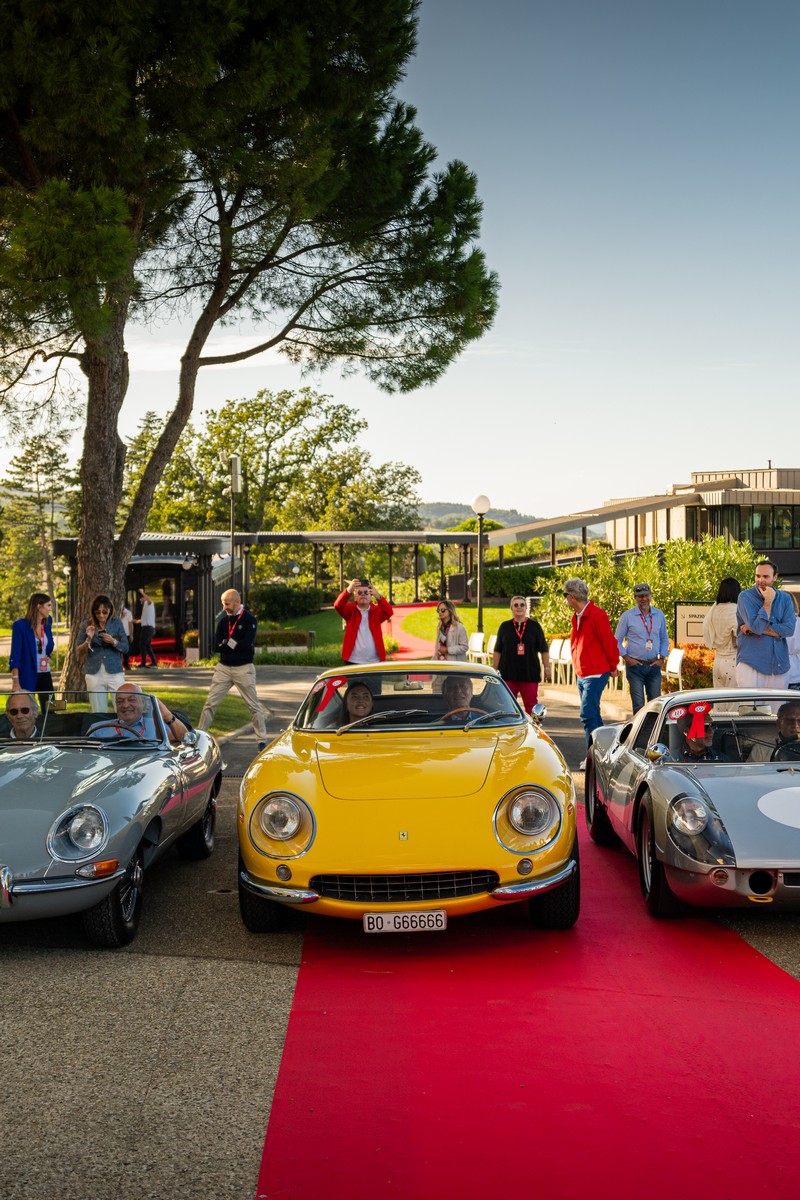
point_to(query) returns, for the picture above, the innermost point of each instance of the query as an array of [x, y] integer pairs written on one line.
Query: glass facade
[[765, 526]]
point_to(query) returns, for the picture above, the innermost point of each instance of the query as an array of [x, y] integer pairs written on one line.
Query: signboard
[[688, 624]]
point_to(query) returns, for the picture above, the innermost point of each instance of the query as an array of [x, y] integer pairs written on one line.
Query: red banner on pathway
[[626, 1058]]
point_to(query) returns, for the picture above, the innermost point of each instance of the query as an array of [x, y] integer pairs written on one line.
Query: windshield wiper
[[487, 716], [383, 716]]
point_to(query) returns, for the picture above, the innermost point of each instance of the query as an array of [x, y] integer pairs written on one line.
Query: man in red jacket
[[595, 653], [363, 635]]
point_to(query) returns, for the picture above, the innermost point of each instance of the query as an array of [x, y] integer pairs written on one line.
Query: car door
[[630, 764], [195, 780]]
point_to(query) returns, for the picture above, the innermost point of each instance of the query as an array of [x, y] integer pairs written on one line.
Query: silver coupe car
[[88, 801], [703, 788]]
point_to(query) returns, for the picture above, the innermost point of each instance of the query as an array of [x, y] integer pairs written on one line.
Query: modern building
[[760, 505]]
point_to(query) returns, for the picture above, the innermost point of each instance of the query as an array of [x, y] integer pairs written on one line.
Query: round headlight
[[280, 817], [78, 834], [532, 813], [689, 816]]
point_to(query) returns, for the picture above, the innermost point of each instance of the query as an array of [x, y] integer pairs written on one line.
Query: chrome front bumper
[[512, 891], [10, 891], [535, 887]]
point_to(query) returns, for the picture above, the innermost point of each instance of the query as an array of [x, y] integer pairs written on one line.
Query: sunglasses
[[13, 712], [518, 606]]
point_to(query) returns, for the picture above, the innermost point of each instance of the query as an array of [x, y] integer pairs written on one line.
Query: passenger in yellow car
[[357, 702]]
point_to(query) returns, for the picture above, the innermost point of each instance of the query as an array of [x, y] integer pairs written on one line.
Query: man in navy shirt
[[235, 641], [644, 645]]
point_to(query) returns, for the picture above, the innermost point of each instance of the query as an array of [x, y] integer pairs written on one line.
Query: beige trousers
[[244, 679]]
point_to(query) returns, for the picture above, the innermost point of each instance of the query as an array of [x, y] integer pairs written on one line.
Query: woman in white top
[[793, 646], [719, 632], [451, 641]]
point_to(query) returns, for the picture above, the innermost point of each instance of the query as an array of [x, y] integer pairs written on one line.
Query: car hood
[[39, 782], [363, 767], [759, 807]]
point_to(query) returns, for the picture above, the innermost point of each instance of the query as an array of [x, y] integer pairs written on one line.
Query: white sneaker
[[582, 767]]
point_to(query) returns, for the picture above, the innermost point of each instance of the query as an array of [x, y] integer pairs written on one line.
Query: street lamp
[[236, 486], [480, 506]]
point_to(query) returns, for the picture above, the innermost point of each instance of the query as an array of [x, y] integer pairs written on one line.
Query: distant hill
[[444, 515]]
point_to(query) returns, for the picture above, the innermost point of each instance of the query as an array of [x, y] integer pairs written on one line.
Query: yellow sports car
[[404, 794]]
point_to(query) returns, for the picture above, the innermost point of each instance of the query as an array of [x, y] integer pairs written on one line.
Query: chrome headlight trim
[[508, 825], [688, 815], [291, 845], [78, 834]]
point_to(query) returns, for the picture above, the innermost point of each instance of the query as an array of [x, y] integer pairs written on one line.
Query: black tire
[[259, 914], [597, 822], [114, 921], [560, 908], [198, 841], [659, 900]]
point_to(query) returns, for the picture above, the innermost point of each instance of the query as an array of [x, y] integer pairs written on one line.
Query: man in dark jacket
[[235, 642]]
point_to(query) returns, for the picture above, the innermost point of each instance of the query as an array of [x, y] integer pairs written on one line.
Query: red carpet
[[626, 1058]]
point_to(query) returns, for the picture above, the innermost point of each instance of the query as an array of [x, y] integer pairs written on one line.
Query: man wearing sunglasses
[[363, 635], [21, 711]]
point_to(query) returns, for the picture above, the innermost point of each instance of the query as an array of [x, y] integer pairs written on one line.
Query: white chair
[[673, 667], [475, 648], [554, 651], [489, 654], [566, 672]]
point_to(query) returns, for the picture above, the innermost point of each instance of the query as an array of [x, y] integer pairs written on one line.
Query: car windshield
[[131, 719], [360, 701], [747, 729]]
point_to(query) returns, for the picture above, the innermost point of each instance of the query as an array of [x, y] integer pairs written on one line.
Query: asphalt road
[[149, 1072]]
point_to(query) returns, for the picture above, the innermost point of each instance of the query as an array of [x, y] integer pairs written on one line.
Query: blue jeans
[[590, 691], [641, 679]]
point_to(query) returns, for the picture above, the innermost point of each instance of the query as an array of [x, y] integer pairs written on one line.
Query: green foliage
[[246, 160], [279, 602], [687, 572], [513, 581]]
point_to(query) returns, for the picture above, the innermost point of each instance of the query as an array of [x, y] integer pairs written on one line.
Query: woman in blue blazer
[[31, 648]]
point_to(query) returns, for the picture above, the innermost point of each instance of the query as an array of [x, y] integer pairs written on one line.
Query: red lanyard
[[649, 631], [520, 635], [235, 623]]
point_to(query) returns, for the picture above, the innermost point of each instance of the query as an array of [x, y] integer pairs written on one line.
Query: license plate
[[405, 922]]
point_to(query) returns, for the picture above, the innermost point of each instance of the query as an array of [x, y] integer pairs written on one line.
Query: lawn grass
[[423, 622]]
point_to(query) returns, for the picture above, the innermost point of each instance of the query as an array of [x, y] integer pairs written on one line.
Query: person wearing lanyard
[[519, 643], [31, 647], [235, 640], [644, 645], [595, 655]]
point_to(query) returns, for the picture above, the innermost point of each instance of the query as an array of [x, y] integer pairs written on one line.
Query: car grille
[[395, 889]]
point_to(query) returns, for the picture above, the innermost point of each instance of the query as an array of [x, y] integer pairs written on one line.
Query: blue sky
[[638, 167]]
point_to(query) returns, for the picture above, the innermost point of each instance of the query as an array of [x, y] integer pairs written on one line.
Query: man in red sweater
[[363, 635], [595, 653]]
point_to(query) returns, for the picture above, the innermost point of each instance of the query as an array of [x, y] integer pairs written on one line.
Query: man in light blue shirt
[[765, 617], [644, 645]]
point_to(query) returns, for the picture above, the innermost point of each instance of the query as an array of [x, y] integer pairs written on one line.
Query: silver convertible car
[[703, 788], [87, 802]]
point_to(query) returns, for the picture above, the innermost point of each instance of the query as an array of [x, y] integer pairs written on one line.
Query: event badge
[[232, 643], [648, 644], [520, 648], [44, 664]]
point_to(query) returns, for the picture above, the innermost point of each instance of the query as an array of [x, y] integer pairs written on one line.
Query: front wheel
[[560, 908], [198, 841], [259, 914], [658, 899], [597, 822], [114, 921]]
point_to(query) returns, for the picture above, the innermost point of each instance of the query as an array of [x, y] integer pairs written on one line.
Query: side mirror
[[538, 714], [657, 753]]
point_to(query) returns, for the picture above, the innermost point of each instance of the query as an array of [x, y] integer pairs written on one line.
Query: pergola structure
[[194, 554]]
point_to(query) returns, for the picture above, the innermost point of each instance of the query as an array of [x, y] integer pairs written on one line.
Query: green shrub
[[191, 637], [513, 581], [281, 637], [279, 602]]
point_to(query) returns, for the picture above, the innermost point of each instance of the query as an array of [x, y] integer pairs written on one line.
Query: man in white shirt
[[147, 629], [126, 617]]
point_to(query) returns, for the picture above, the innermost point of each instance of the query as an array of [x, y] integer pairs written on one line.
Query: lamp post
[[480, 506], [236, 486]]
